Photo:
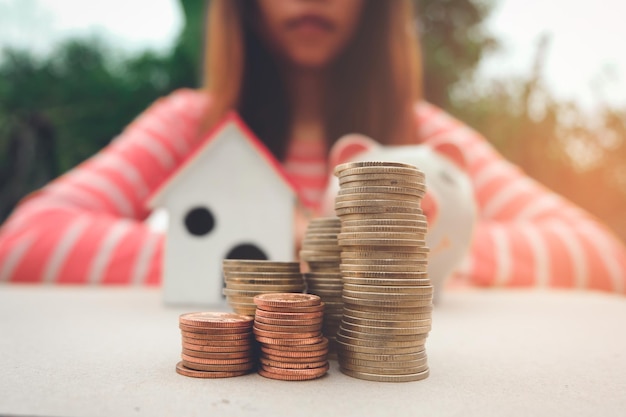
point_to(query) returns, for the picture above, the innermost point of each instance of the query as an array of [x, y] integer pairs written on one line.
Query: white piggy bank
[[449, 205]]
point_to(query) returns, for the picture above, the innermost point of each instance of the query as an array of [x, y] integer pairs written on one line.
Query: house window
[[246, 251], [199, 221]]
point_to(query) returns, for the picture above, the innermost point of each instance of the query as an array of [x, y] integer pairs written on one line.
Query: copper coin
[[215, 330], [272, 375], [284, 335], [218, 355], [218, 343], [212, 348], [182, 370], [289, 342], [293, 365], [216, 337], [288, 329], [314, 357], [319, 345], [220, 368], [214, 319], [289, 314], [286, 300], [288, 322], [296, 372], [210, 361]]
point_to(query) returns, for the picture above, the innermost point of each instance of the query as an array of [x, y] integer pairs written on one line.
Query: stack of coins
[[288, 328], [216, 345], [246, 278], [387, 294], [321, 253]]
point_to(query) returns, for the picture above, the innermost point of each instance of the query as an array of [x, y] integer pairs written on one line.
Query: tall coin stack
[[246, 278], [216, 345], [322, 254], [288, 328], [387, 294]]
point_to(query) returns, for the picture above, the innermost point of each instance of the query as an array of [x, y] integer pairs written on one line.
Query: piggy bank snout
[[430, 207]]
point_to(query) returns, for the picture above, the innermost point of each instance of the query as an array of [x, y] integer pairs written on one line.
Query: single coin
[[292, 365], [382, 359], [288, 329], [371, 242], [289, 342], [379, 314], [381, 235], [386, 378], [413, 282], [216, 337], [287, 315], [381, 190], [351, 362], [321, 344], [214, 330], [418, 259], [220, 368], [391, 296], [286, 335], [386, 323], [413, 231], [288, 322], [382, 209], [422, 290], [218, 355], [182, 370], [286, 300], [371, 336], [392, 303], [414, 330], [255, 262], [341, 337], [233, 286], [419, 272], [379, 170], [341, 202], [240, 293], [283, 371], [357, 266], [215, 319], [280, 377], [404, 182], [227, 347], [210, 361], [393, 198], [360, 164], [379, 222], [382, 371], [347, 216], [352, 349], [284, 276], [294, 356]]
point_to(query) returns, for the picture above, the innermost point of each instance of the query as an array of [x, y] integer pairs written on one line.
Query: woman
[[301, 73]]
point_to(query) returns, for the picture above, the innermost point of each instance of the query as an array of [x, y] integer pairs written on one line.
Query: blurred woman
[[301, 73]]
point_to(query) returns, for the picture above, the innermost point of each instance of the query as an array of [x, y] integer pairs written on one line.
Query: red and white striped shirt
[[86, 226]]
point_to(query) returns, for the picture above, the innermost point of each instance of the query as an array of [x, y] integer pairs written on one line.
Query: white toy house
[[229, 199]]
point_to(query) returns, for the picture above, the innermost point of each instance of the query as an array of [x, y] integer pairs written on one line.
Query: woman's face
[[309, 33]]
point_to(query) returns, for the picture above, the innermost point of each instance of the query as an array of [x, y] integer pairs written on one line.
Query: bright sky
[[586, 53]]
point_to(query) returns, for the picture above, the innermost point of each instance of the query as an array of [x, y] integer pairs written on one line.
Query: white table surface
[[68, 351]]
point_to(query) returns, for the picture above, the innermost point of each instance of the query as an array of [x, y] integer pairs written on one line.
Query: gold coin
[[262, 274], [381, 371], [364, 258], [387, 303], [378, 343], [387, 323], [265, 287], [358, 312], [386, 378], [388, 282], [387, 296], [382, 358], [379, 170], [382, 190], [353, 349], [360, 164], [422, 290], [388, 367], [419, 272], [386, 330], [415, 267], [370, 335]]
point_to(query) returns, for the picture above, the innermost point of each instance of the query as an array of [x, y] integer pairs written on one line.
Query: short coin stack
[[387, 294], [246, 278], [216, 345], [288, 329], [322, 254]]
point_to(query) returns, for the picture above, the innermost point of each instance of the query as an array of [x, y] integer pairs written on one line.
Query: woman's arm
[[526, 234], [86, 226]]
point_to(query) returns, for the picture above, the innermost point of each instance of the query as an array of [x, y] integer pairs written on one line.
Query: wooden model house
[[230, 199]]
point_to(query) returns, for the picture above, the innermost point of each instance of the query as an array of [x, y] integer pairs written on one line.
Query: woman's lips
[[310, 25]]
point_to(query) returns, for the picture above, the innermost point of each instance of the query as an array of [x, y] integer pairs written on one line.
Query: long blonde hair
[[374, 83]]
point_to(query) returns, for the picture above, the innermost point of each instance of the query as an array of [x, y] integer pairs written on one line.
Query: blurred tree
[[454, 39]]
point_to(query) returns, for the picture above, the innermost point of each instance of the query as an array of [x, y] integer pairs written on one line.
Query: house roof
[[263, 152]]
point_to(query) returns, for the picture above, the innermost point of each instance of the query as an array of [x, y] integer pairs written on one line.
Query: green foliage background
[[58, 110]]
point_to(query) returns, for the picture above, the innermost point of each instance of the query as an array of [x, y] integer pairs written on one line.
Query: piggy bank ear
[[453, 153], [348, 147]]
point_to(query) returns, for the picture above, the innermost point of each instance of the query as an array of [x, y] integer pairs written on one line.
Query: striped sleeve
[[86, 227], [527, 235]]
